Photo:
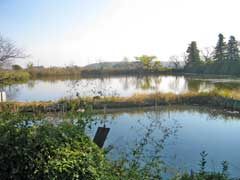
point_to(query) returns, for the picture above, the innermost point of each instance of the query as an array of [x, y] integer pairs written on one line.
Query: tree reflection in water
[[31, 84], [56, 88], [91, 87]]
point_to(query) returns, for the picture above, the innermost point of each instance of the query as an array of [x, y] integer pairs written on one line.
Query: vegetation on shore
[[143, 65], [32, 147], [8, 77], [54, 71], [40, 149], [223, 60], [218, 99]]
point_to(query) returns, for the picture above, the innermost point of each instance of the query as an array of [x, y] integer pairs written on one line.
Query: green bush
[[54, 71], [37, 149], [16, 67], [13, 76], [204, 175]]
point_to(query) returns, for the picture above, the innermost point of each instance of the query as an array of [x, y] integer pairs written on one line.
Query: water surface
[[56, 88], [178, 135]]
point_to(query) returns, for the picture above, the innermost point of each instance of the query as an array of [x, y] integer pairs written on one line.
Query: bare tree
[[9, 52], [175, 61], [207, 53]]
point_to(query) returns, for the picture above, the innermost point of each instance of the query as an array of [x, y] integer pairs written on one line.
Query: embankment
[[210, 99]]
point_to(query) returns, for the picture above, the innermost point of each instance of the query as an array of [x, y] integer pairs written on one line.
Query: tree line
[[224, 56]]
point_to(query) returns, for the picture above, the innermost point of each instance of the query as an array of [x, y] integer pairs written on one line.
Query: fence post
[[3, 97]]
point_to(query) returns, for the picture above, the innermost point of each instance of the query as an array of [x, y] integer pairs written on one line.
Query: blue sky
[[33, 24], [39, 18], [62, 32]]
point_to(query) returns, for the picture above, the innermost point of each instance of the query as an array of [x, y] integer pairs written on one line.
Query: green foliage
[[33, 148], [225, 168], [193, 61], [225, 61], [16, 67], [204, 175], [217, 67], [233, 51], [193, 54], [54, 71], [146, 60], [220, 49], [30, 65], [157, 66], [8, 77], [203, 162]]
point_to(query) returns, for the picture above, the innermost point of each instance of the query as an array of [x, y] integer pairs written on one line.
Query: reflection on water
[[175, 135], [53, 89]]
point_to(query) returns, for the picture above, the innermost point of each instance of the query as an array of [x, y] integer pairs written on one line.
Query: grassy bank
[[8, 77], [54, 71], [217, 99]]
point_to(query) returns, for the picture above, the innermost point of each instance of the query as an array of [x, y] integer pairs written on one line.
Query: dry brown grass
[[214, 98]]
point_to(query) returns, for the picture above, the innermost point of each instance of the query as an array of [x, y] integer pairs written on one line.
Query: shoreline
[[13, 81], [210, 99]]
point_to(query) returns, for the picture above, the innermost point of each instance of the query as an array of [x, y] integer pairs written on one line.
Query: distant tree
[[175, 61], [16, 67], [157, 65], [8, 51], [146, 60], [30, 65], [207, 54], [193, 56], [232, 49], [220, 49]]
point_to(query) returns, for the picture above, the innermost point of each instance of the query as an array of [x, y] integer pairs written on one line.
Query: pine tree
[[232, 49], [193, 54], [220, 49]]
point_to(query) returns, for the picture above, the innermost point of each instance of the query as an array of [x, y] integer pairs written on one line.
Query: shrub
[[13, 76], [16, 67], [204, 175], [32, 148]]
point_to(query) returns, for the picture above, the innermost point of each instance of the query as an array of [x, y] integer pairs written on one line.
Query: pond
[[177, 135], [56, 88]]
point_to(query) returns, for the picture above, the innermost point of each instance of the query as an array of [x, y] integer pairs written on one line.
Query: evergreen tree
[[220, 49], [233, 51], [192, 54]]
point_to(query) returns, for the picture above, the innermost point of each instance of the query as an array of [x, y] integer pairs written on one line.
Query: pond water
[[177, 135], [55, 88]]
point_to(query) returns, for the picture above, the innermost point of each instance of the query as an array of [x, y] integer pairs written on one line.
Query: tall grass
[[218, 99]]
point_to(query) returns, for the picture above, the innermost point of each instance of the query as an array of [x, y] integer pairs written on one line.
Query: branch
[[8, 51]]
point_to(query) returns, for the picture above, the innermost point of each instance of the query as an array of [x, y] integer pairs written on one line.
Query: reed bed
[[217, 99]]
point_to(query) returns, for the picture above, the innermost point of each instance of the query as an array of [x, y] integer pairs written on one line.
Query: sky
[[79, 32]]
